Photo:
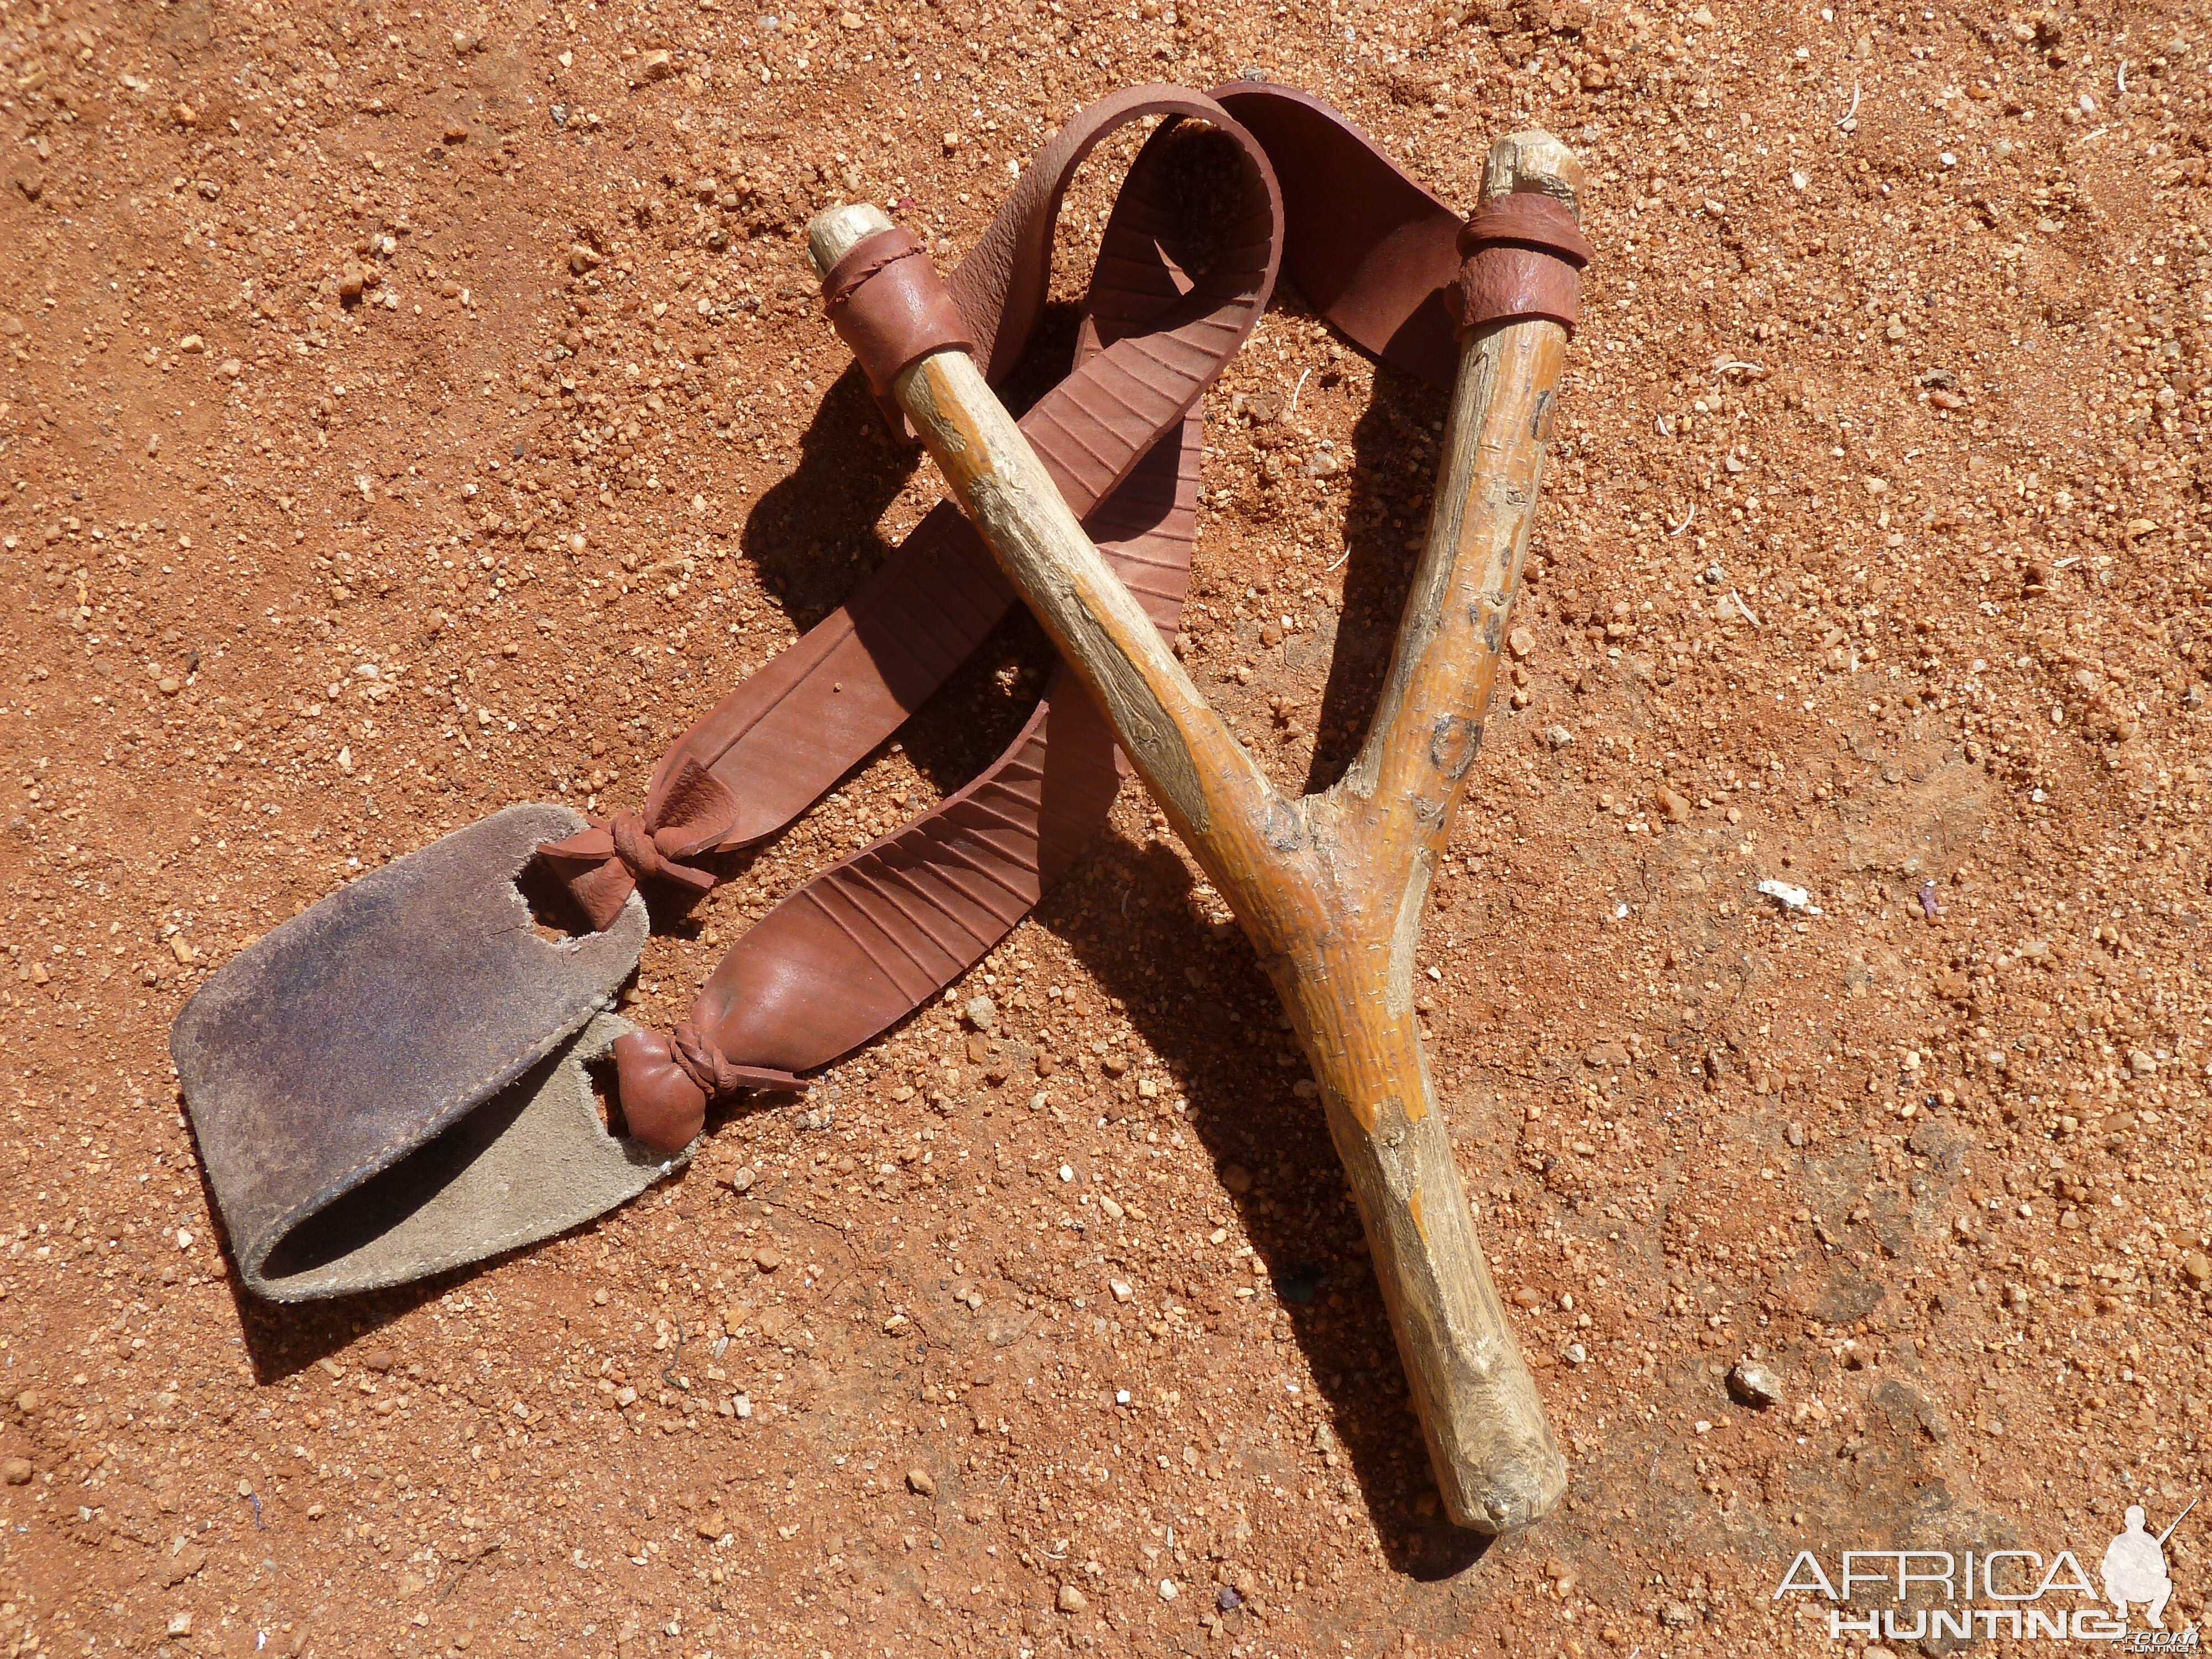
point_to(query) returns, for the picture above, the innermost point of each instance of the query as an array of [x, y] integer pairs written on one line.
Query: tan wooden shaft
[[1329, 888]]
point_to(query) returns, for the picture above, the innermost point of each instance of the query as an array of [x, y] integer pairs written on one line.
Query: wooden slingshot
[[1330, 887]]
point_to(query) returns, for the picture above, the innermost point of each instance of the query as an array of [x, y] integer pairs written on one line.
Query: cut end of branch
[[1534, 161], [836, 232]]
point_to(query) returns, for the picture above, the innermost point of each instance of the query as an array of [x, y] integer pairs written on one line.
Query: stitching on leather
[[873, 268]]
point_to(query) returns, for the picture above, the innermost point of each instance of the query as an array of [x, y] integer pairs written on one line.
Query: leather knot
[[687, 815], [704, 1062], [665, 1083], [633, 844]]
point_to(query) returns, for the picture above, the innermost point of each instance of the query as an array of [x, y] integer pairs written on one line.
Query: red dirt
[[1934, 380]]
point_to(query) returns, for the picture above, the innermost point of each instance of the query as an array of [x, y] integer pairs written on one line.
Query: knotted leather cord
[[866, 942]]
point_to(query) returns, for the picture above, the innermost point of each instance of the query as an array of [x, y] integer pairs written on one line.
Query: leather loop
[[1522, 257]]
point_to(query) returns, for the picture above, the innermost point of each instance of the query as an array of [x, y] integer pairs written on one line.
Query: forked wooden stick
[[1330, 887]]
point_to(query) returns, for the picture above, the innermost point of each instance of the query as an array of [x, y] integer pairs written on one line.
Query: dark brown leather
[[1523, 256], [862, 944], [886, 301]]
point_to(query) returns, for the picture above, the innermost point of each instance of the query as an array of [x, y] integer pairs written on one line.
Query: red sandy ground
[[1933, 379]]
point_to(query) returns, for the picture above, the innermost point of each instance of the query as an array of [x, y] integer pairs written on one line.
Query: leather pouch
[[393, 1081]]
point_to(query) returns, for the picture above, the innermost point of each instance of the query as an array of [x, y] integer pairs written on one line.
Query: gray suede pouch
[[393, 1081]]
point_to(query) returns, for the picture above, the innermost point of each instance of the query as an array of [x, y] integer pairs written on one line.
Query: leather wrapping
[[887, 302], [1523, 257]]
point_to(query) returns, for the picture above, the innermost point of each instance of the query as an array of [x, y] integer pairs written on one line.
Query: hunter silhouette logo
[[2004, 1592], [2135, 1568]]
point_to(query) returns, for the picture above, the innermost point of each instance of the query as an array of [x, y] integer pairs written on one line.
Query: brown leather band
[[863, 944], [886, 301], [1523, 256]]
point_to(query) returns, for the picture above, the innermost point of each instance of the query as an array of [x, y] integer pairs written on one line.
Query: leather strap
[[863, 944]]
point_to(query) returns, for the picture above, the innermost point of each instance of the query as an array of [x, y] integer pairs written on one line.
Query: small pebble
[[767, 1259], [1168, 1590], [1753, 1384], [191, 342], [17, 1471], [742, 1179], [28, 1402], [1525, 1297], [1072, 1600], [1521, 643], [654, 66], [920, 1484], [982, 1014], [2197, 1267], [1227, 1599], [1558, 737], [1237, 1179]]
